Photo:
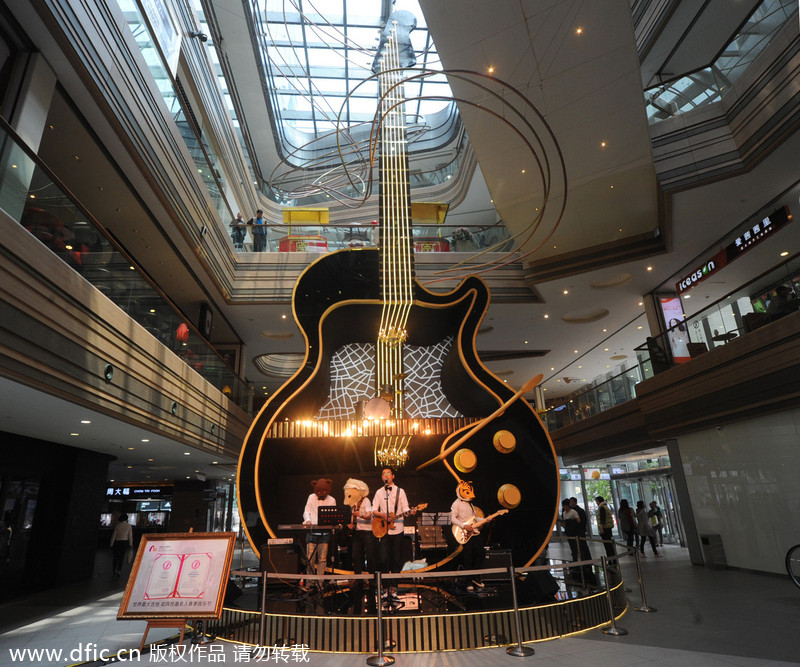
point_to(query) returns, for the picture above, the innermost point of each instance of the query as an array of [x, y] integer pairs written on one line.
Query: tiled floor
[[703, 617]]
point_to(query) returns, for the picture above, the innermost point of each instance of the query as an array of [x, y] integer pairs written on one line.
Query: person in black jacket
[[586, 554]]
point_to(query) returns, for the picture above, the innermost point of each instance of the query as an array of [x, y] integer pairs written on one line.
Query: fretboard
[[397, 269]]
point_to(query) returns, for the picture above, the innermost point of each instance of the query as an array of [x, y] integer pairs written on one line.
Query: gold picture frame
[[178, 575]]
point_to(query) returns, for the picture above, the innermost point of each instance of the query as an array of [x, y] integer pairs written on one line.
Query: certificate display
[[178, 575]]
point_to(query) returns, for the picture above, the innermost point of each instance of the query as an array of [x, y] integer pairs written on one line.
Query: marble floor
[[703, 617]]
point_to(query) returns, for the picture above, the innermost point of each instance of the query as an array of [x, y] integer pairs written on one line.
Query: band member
[[464, 515], [363, 545], [390, 503], [317, 542]]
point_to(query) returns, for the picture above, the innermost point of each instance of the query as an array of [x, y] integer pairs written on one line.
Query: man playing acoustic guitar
[[389, 507]]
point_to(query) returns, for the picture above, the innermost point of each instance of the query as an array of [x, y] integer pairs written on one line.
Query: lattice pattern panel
[[353, 379], [423, 384]]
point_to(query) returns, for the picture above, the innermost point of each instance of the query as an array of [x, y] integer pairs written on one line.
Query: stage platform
[[432, 611]]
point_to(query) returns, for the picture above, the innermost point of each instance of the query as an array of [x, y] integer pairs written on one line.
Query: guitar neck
[[397, 269]]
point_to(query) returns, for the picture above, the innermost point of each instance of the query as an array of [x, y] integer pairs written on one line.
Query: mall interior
[[621, 176]]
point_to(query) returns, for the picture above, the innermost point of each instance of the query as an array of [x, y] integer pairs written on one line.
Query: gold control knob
[[504, 442], [509, 496], [465, 460]]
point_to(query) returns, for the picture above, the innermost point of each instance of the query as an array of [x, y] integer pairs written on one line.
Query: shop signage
[[747, 240], [128, 492]]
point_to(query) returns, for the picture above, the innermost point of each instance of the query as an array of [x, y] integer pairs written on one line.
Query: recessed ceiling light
[[86, 421], [74, 433], [523, 171], [150, 459], [602, 144], [491, 70], [145, 440], [546, 316], [641, 303], [566, 291], [784, 253], [649, 268], [688, 296], [576, 351], [605, 349], [187, 453], [525, 342], [130, 449], [578, 31], [283, 317], [639, 327]]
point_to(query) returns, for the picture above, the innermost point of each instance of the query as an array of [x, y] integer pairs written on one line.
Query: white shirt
[[312, 504], [122, 532], [365, 508], [461, 511], [380, 504]]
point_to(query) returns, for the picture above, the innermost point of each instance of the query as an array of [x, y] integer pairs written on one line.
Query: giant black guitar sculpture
[[361, 300]]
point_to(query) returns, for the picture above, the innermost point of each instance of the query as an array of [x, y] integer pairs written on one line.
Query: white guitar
[[462, 536]]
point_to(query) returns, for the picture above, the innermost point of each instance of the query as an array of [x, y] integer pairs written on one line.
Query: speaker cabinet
[[281, 558], [496, 558]]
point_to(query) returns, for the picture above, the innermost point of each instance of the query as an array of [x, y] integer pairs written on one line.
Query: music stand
[[338, 515]]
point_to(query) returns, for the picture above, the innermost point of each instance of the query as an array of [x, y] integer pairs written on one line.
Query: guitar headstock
[[402, 22], [421, 507]]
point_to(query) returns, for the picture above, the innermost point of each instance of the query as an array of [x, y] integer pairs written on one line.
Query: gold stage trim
[[355, 428]]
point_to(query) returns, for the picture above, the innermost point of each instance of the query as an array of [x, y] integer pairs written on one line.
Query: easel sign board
[[178, 575]]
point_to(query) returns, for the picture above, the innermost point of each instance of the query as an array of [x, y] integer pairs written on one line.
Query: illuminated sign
[[127, 492], [758, 232], [696, 276], [749, 239]]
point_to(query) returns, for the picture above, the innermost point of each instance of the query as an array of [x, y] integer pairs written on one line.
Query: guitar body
[[336, 303], [462, 536], [380, 527]]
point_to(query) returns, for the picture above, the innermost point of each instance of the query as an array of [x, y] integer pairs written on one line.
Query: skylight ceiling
[[315, 53]]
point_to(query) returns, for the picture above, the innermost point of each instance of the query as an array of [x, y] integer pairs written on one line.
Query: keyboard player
[[317, 541]]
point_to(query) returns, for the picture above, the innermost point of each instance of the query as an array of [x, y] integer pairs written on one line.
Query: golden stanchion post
[[379, 660], [518, 651], [643, 606], [612, 629]]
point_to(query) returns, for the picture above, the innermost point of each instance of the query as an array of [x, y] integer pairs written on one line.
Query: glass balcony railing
[[764, 299], [749, 307], [31, 194], [593, 400], [331, 237], [206, 162], [709, 84]]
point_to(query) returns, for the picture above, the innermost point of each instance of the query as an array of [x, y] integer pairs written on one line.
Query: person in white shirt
[[121, 541], [363, 543], [390, 503], [317, 542], [464, 515]]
